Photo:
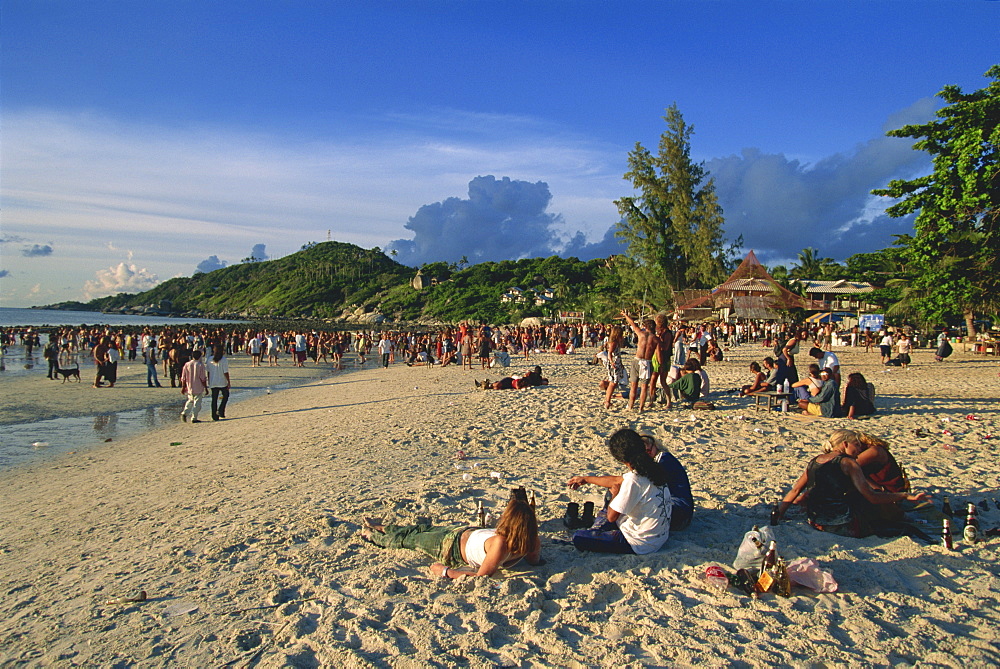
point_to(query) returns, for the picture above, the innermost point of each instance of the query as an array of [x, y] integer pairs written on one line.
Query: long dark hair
[[627, 447]]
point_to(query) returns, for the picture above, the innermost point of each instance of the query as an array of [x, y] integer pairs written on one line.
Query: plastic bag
[[805, 571], [753, 547]]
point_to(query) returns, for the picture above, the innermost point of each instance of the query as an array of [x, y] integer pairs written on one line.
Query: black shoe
[[572, 517], [195, 420], [587, 518]]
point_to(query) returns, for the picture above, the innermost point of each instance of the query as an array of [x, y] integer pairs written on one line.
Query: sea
[[13, 317], [25, 443]]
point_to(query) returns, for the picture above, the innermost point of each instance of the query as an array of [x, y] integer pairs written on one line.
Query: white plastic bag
[[753, 547], [805, 571]]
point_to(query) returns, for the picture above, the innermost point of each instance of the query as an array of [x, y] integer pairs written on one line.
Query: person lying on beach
[[638, 517], [859, 396], [529, 379], [758, 384], [838, 497], [467, 551]]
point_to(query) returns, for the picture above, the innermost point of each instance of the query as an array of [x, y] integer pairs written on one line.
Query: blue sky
[[143, 140]]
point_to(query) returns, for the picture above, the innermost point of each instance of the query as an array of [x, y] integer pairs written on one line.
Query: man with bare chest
[[641, 370]]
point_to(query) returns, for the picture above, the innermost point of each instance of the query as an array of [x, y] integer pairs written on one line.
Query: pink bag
[[805, 571]]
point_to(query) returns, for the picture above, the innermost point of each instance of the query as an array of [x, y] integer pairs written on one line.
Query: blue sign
[[873, 322]]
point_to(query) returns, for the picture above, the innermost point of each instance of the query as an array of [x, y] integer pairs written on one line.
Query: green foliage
[[811, 267], [318, 281], [954, 254], [674, 225]]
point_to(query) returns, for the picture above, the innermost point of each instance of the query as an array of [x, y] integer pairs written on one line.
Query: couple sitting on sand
[[644, 504], [854, 488], [638, 518]]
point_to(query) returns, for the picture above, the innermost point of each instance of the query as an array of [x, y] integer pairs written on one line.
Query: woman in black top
[[837, 495], [859, 396]]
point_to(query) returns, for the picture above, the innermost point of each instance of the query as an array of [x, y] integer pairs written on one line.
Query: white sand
[[262, 509]]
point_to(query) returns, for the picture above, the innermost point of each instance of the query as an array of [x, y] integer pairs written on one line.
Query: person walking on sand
[[385, 349], [101, 360], [149, 356], [194, 384], [218, 381], [904, 346]]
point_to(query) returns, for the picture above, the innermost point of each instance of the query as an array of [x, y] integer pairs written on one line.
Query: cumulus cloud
[[123, 278], [3, 273], [502, 219], [12, 239], [782, 206], [37, 250], [258, 252], [210, 264]]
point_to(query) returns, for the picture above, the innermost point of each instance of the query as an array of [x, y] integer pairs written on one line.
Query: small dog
[[69, 373]]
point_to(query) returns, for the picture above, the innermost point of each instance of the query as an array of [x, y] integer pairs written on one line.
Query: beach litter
[[176, 443], [39, 444], [806, 572], [180, 609], [716, 577], [137, 597], [949, 447]]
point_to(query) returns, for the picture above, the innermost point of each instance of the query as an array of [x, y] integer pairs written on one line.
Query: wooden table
[[773, 398]]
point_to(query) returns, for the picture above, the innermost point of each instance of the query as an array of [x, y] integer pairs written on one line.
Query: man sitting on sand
[[529, 379], [688, 386]]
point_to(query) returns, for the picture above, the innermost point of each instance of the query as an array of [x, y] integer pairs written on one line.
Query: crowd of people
[[855, 487]]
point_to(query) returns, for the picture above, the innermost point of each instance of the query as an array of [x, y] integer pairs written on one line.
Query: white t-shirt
[[645, 509], [830, 360], [217, 372], [384, 346]]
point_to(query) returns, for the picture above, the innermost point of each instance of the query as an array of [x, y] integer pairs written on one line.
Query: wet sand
[[244, 533]]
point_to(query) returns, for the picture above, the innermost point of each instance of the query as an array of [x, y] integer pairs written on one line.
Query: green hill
[[322, 280]]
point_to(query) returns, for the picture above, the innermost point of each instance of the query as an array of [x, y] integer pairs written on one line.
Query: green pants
[[443, 544]]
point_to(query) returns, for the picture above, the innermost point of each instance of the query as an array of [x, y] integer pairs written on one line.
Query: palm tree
[[809, 266]]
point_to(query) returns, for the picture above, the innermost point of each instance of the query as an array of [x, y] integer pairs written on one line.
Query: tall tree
[[954, 253], [673, 224]]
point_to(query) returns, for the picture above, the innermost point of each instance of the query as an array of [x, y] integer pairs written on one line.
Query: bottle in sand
[[766, 580], [946, 535], [782, 583], [481, 513], [946, 507], [971, 531]]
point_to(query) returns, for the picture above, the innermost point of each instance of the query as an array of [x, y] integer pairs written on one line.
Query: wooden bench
[[773, 398]]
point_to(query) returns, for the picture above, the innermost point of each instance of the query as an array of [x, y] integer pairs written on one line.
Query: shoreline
[[250, 526], [71, 416]]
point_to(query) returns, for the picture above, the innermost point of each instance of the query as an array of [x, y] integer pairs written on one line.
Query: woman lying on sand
[[467, 551], [838, 496], [638, 517]]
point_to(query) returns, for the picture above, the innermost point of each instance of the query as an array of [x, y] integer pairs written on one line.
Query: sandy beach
[[245, 533]]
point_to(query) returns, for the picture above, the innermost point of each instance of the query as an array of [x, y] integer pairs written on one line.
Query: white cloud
[[123, 278]]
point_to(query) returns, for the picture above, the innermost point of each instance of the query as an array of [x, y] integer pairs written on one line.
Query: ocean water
[[11, 317], [26, 443]]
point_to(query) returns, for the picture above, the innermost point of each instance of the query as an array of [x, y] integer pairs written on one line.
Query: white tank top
[[475, 547]]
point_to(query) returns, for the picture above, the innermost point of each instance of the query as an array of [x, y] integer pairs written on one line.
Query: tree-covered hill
[[322, 280]]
